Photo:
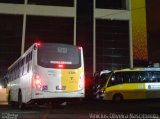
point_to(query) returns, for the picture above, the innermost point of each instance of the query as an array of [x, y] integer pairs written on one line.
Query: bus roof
[[138, 69], [104, 72]]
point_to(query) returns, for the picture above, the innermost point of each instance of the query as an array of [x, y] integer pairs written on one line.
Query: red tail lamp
[[79, 47], [60, 66], [39, 44]]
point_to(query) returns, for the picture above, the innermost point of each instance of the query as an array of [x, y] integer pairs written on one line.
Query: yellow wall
[[139, 30]]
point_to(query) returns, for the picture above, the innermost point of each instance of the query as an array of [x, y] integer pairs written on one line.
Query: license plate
[[60, 87]]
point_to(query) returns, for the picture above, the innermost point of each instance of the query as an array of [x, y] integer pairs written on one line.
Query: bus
[[47, 72], [133, 83], [98, 79]]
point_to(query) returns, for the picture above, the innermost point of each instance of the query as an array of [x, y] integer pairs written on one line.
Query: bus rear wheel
[[21, 105], [117, 98]]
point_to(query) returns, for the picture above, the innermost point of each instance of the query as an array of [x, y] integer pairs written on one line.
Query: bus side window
[[149, 76], [30, 59], [157, 76], [104, 79], [11, 74], [14, 73], [31, 55], [135, 77], [115, 79], [126, 77], [111, 81], [141, 77], [24, 59], [27, 63], [18, 73], [22, 67]]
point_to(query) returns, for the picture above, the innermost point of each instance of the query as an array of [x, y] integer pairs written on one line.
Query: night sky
[[10, 37]]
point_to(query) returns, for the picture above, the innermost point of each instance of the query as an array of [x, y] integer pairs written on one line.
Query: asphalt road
[[92, 109]]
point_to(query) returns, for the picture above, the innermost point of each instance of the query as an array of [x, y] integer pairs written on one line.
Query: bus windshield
[[52, 55]]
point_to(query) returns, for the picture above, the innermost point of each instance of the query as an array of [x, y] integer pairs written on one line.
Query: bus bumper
[[46, 94]]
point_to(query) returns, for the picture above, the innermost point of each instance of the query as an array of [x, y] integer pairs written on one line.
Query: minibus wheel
[[118, 98]]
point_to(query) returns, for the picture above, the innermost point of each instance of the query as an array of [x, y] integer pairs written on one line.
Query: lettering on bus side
[[51, 72], [72, 72]]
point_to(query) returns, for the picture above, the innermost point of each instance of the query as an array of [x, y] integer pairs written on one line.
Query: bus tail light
[[79, 47], [39, 44], [60, 66], [37, 82]]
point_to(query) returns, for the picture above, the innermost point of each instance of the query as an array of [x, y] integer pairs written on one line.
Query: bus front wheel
[[117, 98]]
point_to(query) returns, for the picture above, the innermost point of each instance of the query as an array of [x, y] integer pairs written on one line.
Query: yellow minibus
[[134, 83]]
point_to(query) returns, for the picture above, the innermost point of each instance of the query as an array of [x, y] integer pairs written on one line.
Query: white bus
[[47, 73]]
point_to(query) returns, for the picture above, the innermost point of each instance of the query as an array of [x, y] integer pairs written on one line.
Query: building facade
[[111, 32]]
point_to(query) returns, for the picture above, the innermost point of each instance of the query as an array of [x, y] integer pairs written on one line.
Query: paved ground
[[92, 109]]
